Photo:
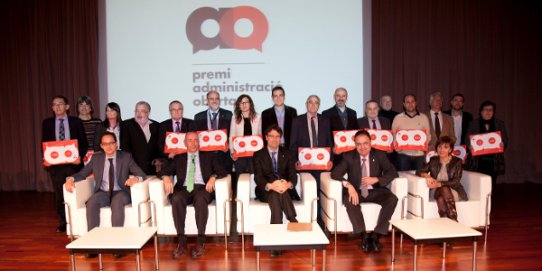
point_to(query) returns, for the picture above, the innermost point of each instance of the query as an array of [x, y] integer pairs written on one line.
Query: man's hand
[[171, 155], [352, 194], [365, 181], [69, 184], [168, 185], [210, 186], [131, 181], [335, 151], [278, 186]]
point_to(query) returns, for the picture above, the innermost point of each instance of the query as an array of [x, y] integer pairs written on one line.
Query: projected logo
[[227, 38]]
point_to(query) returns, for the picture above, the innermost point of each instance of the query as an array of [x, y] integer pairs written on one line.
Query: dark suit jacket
[[77, 131], [465, 121], [364, 123], [125, 165], [300, 137], [263, 170], [208, 164], [167, 126], [132, 140], [269, 117], [335, 121], [379, 166], [224, 120]]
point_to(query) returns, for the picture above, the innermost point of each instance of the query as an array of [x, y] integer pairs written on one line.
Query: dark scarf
[[490, 123]]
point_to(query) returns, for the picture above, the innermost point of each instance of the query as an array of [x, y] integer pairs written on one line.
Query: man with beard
[[139, 136], [461, 118]]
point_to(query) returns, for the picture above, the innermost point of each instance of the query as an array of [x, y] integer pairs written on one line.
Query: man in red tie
[[369, 172]]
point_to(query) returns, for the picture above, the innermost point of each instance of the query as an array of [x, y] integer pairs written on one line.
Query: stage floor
[[28, 242]]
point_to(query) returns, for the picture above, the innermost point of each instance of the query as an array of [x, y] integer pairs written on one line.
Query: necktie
[[191, 174], [374, 124], [111, 177], [61, 132], [214, 123], [177, 127], [275, 167], [364, 189], [313, 132], [437, 125]]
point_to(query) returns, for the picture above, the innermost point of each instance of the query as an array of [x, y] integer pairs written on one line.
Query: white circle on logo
[[210, 28], [243, 28]]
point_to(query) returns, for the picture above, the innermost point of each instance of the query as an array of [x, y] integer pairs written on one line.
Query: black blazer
[[269, 117], [364, 123], [125, 166], [167, 126], [77, 131], [335, 121], [465, 121], [208, 164], [132, 140], [300, 137], [379, 166], [263, 170], [224, 120]]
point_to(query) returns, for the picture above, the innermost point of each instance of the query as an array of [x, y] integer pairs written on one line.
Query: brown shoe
[[178, 251], [198, 251]]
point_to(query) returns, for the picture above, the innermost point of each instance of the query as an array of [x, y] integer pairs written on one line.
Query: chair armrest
[[399, 187], [416, 184], [222, 194], [81, 193], [332, 188], [243, 191], [308, 189], [140, 192], [157, 193], [477, 185]]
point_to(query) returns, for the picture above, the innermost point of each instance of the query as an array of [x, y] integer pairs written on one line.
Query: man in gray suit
[[111, 169], [440, 124]]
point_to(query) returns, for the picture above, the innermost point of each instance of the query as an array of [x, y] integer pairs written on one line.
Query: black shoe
[[366, 245], [117, 256], [61, 228], [91, 255], [198, 251], [274, 253], [178, 251], [377, 246]]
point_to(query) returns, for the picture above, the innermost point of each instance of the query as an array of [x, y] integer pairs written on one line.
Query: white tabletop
[[277, 234], [114, 238], [433, 228]]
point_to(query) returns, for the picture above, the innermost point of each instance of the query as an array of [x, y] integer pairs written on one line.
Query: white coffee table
[[433, 230], [277, 237], [115, 240]]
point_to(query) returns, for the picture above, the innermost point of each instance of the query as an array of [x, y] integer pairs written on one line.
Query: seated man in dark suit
[[368, 174], [371, 119], [139, 136], [178, 124], [58, 128], [275, 176], [111, 169], [196, 175]]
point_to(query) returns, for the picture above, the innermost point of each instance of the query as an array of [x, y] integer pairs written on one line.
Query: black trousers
[[279, 203], [200, 198], [58, 176], [381, 196]]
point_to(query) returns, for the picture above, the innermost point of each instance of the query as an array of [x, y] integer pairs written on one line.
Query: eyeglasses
[[59, 104], [107, 144], [243, 103]]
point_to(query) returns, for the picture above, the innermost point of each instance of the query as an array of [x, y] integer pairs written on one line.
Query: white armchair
[[75, 204], [335, 216], [473, 212], [254, 212], [164, 213]]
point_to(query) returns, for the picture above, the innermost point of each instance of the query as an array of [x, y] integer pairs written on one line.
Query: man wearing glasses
[[58, 128], [178, 124], [111, 169]]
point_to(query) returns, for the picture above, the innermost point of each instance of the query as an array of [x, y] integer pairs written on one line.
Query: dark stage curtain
[[47, 48], [483, 49]]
